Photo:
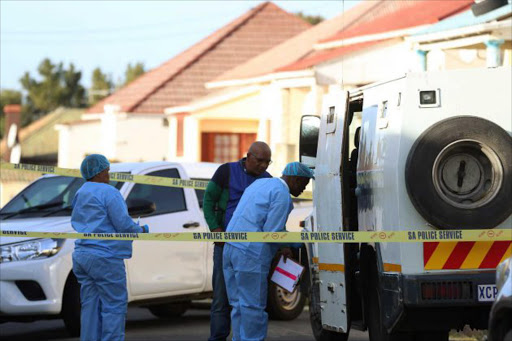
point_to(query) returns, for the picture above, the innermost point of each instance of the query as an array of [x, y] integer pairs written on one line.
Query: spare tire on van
[[459, 174]]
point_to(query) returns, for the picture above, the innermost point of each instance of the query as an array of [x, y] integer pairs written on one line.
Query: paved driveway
[[142, 326]]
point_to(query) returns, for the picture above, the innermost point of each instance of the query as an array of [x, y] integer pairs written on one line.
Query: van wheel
[[169, 310], [315, 318], [283, 305], [372, 302], [458, 174], [376, 329], [71, 305]]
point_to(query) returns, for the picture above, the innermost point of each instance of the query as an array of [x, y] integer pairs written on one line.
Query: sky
[[111, 34]]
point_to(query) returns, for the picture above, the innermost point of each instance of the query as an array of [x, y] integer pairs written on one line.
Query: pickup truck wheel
[[169, 310], [71, 305], [315, 318], [283, 305], [458, 174]]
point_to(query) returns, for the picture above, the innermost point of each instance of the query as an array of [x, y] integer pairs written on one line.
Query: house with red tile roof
[[368, 43], [130, 125]]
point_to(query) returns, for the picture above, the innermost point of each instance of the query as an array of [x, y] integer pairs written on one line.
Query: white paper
[[287, 275]]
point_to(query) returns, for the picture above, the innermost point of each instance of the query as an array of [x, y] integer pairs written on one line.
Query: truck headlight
[[33, 249]]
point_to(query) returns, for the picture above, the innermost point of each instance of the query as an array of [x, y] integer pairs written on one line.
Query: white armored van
[[423, 152]]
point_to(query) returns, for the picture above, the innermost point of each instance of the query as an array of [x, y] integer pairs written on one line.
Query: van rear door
[[328, 203]]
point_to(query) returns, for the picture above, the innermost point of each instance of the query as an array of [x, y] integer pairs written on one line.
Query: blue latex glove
[[145, 229]]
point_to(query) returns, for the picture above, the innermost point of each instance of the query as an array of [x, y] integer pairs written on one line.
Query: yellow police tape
[[123, 177], [287, 237]]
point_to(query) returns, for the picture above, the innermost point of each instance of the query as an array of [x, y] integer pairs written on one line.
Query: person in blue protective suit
[[99, 264], [264, 207]]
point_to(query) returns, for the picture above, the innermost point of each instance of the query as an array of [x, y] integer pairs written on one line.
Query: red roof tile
[[182, 78], [421, 12]]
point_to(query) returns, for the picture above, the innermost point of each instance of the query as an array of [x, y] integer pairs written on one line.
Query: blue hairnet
[[93, 164], [298, 169]]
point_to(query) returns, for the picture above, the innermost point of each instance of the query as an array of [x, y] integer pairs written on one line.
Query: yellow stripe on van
[[331, 267], [507, 254], [392, 267], [476, 255], [440, 256]]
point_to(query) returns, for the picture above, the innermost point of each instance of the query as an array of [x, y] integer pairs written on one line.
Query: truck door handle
[[191, 224]]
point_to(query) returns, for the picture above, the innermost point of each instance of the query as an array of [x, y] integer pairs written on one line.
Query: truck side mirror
[[309, 131], [140, 207]]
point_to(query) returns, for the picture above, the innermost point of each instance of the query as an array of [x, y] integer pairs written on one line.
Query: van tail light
[[446, 291]]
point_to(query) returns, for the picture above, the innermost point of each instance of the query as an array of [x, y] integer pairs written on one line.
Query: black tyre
[[169, 310], [376, 329], [315, 318], [459, 174], [71, 305], [373, 302], [283, 305]]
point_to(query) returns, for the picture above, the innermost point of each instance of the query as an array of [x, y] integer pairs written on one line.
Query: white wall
[[377, 63], [141, 138], [191, 139], [77, 141], [127, 138]]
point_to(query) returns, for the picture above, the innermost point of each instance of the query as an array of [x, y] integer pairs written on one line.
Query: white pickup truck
[[37, 281]]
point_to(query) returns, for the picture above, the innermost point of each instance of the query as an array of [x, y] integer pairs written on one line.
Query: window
[[48, 196], [166, 199], [225, 147]]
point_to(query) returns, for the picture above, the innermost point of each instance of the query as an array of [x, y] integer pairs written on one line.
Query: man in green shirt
[[220, 200]]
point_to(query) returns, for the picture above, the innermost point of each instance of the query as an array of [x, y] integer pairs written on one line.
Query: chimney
[[12, 126]]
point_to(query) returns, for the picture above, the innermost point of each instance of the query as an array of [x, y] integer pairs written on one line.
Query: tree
[[101, 86], [7, 97], [133, 72], [312, 19], [58, 87], [73, 92]]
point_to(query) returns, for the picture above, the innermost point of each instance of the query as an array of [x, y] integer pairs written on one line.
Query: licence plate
[[487, 293]]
